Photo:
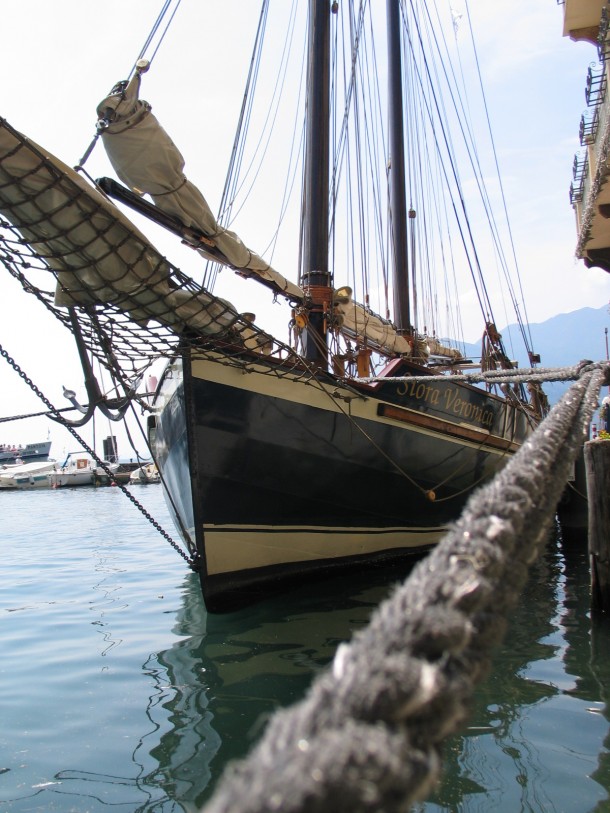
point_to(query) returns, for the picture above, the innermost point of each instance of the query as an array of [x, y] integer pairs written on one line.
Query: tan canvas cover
[[97, 253], [357, 321], [147, 161]]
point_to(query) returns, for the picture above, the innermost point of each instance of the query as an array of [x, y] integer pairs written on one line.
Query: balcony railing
[[580, 169], [589, 127], [595, 91]]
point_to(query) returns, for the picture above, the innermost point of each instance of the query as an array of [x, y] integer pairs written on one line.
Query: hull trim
[[444, 427], [224, 592], [241, 547]]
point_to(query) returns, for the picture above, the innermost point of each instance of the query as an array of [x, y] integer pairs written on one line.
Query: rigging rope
[[368, 735], [156, 26], [153, 31], [44, 414], [464, 226], [518, 375], [523, 323]]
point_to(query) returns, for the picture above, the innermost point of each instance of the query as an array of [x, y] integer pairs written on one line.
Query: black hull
[[278, 478]]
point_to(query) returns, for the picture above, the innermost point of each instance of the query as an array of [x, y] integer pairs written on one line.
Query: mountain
[[561, 341]]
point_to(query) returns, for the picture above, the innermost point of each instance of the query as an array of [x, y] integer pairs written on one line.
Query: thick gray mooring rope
[[368, 735], [517, 375]]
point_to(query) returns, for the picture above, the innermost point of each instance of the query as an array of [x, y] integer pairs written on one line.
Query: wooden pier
[[597, 465]]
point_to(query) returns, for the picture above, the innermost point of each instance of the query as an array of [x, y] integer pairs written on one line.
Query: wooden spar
[[316, 279], [398, 202]]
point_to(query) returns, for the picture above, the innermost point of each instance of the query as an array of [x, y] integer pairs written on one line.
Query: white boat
[[30, 453], [28, 475], [78, 469], [145, 474]]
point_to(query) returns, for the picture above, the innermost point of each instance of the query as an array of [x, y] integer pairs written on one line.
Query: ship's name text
[[448, 398]]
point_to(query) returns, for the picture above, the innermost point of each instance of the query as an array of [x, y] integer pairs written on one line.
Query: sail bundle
[[146, 159], [96, 254], [354, 320]]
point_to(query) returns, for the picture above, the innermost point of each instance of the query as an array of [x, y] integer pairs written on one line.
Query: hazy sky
[[58, 59]]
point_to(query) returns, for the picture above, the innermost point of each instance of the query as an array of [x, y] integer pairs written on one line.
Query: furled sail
[[355, 320], [146, 159], [97, 255], [438, 349]]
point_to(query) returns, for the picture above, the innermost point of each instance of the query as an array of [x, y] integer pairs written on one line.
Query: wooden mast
[[316, 279], [398, 199]]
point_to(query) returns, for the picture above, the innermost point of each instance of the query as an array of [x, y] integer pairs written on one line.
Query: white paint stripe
[[233, 548]]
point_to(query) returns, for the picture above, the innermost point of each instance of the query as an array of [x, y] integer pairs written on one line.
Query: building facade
[[590, 190]]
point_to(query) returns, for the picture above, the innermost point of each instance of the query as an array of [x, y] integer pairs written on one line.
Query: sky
[[60, 59]]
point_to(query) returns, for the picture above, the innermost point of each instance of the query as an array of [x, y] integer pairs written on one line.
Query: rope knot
[[585, 366]]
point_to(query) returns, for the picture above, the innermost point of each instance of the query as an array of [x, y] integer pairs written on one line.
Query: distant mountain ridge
[[561, 341]]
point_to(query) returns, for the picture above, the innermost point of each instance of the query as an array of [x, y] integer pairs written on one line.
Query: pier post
[[573, 508], [597, 464]]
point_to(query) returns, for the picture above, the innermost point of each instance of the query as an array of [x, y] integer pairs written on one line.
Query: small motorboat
[[145, 474], [78, 469], [27, 475]]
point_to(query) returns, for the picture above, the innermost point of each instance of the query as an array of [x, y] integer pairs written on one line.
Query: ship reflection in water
[[218, 687], [536, 739]]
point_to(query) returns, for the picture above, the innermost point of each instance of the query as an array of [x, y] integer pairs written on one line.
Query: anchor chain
[[192, 560]]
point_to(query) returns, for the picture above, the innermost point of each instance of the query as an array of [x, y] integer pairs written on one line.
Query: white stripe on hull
[[235, 548]]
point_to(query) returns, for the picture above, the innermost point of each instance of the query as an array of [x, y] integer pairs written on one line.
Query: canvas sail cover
[[97, 255], [355, 320], [147, 161]]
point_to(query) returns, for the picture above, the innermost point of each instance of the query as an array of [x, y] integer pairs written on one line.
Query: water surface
[[118, 692]]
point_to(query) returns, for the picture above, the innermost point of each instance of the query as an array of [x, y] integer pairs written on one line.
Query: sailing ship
[[353, 441]]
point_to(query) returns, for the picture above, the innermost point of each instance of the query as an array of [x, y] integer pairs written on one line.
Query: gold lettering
[[449, 396]]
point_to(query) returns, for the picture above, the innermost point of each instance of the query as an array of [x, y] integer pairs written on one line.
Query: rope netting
[[72, 248], [368, 736]]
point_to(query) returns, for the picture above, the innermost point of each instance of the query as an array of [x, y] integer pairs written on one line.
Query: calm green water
[[118, 692]]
